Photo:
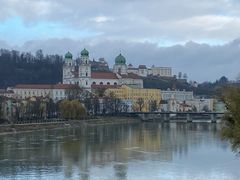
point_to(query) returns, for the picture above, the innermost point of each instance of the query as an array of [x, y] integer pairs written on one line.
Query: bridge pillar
[[189, 118], [213, 118], [165, 117]]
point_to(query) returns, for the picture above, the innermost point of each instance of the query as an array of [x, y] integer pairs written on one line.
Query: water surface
[[140, 151]]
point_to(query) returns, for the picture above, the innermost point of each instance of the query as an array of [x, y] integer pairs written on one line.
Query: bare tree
[[153, 105], [140, 103], [74, 92]]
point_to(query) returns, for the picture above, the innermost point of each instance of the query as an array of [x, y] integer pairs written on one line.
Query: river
[[150, 151]]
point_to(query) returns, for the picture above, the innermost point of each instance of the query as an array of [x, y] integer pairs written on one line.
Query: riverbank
[[15, 128]]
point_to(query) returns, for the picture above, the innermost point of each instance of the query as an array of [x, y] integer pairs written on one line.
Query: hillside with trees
[[23, 67]]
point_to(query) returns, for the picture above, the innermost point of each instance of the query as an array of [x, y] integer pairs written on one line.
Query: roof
[[103, 75], [142, 67], [68, 55], [131, 76], [44, 86], [84, 52], [120, 59]]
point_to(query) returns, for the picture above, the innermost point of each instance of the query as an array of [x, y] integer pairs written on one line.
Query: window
[[86, 74], [86, 82], [115, 83], [108, 83], [101, 83], [94, 82]]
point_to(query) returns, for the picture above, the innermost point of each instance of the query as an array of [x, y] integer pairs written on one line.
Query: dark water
[[143, 151]]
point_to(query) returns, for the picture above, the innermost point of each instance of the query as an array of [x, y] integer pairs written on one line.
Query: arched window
[[101, 83], [108, 83], [94, 82], [86, 74], [115, 83], [86, 61], [86, 82]]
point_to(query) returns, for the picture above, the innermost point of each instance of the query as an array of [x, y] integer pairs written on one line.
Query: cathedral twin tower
[[77, 73]]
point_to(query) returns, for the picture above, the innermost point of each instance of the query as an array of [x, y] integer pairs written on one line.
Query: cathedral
[[80, 72]]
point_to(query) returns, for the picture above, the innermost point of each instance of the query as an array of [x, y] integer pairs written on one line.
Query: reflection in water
[[138, 151]]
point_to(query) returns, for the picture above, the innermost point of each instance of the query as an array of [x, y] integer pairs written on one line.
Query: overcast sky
[[198, 37]]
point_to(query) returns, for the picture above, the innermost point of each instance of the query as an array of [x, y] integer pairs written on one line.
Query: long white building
[[177, 95], [143, 71], [56, 92]]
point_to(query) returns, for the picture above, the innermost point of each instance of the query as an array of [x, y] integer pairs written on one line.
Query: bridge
[[178, 116]]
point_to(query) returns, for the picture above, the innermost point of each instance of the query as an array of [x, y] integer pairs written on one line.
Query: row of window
[[39, 93], [101, 83]]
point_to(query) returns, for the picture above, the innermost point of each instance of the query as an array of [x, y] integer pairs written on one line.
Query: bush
[[72, 109], [231, 127]]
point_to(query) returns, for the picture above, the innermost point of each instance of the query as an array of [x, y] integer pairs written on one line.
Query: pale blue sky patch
[[15, 31]]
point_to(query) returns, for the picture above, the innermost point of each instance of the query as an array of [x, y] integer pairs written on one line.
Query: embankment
[[110, 120]]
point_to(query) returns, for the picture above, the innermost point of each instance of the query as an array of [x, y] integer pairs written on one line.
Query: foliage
[[231, 128], [20, 67], [112, 104], [92, 104], [72, 109], [208, 89]]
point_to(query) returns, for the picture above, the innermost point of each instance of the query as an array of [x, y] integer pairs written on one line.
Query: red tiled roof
[[44, 86], [103, 75]]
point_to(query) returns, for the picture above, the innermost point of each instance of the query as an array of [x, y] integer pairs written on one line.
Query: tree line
[[24, 67]]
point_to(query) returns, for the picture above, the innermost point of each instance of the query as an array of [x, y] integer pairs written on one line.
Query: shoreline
[[11, 129]]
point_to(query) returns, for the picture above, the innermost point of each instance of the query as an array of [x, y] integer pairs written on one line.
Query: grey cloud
[[201, 62], [134, 20]]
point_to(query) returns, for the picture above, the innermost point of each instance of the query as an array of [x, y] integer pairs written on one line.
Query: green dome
[[120, 59], [84, 52], [68, 55]]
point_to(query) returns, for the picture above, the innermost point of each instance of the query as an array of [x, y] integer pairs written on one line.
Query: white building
[[56, 92], [143, 71], [177, 95], [160, 71], [80, 73], [7, 93]]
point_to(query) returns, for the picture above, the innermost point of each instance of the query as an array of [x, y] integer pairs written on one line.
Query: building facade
[[143, 71], [79, 72], [56, 92], [129, 94], [179, 96]]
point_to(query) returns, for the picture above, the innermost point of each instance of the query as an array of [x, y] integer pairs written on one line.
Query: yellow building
[[142, 99]]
